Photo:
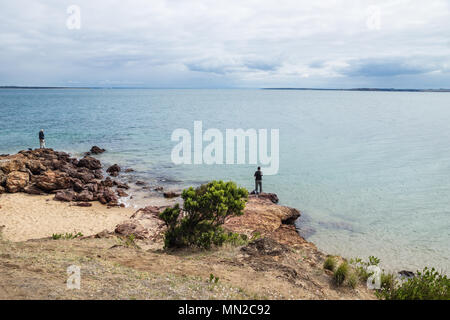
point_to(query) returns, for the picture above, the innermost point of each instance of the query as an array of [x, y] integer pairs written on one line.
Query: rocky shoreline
[[81, 181], [293, 265]]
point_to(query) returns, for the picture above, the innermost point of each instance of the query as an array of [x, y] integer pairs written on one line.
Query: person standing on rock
[[258, 180], [41, 139]]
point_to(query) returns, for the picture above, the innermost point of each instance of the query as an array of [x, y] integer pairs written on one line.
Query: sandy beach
[[31, 217]]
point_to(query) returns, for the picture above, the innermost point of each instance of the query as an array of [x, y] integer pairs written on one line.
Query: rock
[[11, 165], [65, 195], [121, 193], [271, 196], [268, 219], [90, 163], [171, 194], [97, 150], [83, 204], [2, 179], [121, 185], [406, 274], [144, 224], [108, 182], [52, 180], [129, 170], [140, 183], [33, 189], [158, 188], [16, 181], [2, 190], [113, 170], [84, 196]]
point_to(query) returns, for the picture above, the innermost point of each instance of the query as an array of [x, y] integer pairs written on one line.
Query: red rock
[[52, 180], [90, 163], [16, 181]]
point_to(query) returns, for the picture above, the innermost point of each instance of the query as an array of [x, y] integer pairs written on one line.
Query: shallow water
[[369, 170]]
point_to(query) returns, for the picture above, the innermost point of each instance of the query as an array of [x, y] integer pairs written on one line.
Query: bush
[[330, 263], [427, 285], [205, 210], [353, 279], [341, 273]]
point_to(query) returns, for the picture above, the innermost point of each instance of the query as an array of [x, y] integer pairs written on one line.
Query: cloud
[[390, 67], [197, 43]]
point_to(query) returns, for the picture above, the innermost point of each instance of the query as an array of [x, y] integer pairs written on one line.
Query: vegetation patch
[[205, 210]]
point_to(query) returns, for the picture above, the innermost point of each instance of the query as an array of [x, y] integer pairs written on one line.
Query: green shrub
[[341, 273], [426, 285], [66, 236], [361, 266], [205, 210], [353, 279], [330, 263]]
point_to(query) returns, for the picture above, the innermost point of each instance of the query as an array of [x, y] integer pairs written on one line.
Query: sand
[[32, 217]]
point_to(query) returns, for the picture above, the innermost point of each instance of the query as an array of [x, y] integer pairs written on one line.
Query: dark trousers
[[258, 183]]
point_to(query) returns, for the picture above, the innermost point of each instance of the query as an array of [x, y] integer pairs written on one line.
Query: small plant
[[361, 266], [66, 236], [353, 279], [213, 279], [426, 285], [330, 263], [128, 241], [341, 273]]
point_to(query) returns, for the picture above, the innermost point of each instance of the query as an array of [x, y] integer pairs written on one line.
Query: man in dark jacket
[[41, 139], [258, 180]]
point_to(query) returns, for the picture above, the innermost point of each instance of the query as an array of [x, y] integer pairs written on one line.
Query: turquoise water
[[369, 170]]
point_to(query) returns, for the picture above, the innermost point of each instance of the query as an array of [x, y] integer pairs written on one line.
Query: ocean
[[370, 171]]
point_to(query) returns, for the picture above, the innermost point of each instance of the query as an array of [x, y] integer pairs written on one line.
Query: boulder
[[144, 224], [90, 163], [65, 195], [16, 181], [171, 194], [33, 189], [121, 193], [113, 170], [84, 196], [52, 180], [97, 150], [11, 165]]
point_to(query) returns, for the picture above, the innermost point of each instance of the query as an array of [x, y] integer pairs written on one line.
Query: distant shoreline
[[364, 89], [281, 89]]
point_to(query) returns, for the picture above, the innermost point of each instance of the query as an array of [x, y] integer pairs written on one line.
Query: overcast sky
[[174, 43]]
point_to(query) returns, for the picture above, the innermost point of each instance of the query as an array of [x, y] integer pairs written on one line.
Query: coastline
[[296, 265]]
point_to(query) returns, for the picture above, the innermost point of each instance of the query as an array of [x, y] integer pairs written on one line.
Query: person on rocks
[[41, 139], [258, 180]]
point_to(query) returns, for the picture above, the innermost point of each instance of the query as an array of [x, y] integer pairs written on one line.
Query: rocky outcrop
[[270, 196], [262, 216], [144, 224], [44, 171]]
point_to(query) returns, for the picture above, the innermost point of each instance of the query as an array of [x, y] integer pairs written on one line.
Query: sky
[[225, 44]]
